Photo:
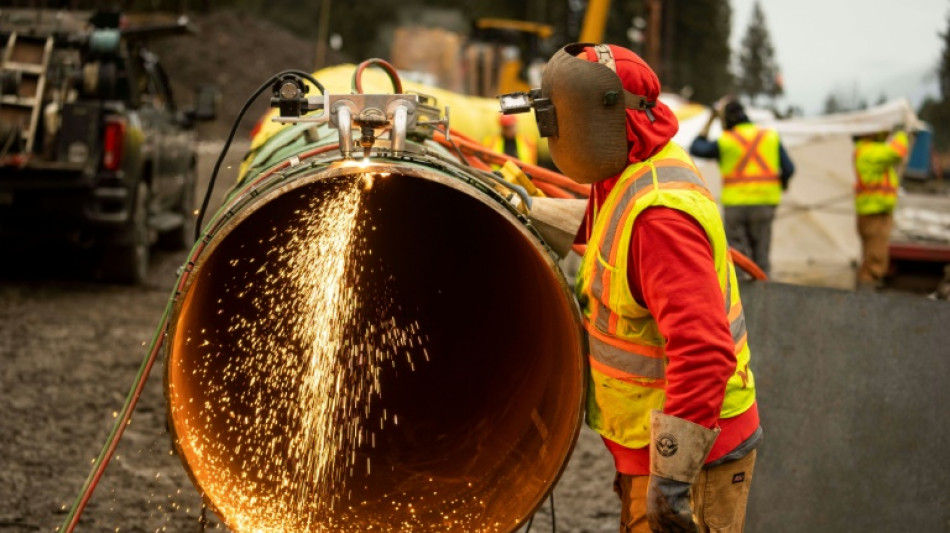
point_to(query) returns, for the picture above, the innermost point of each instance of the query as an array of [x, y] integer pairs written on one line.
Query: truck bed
[[921, 228]]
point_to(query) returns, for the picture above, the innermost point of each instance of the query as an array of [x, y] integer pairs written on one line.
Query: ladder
[[23, 67]]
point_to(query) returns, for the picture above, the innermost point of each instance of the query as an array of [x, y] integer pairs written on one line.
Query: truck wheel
[[128, 263], [182, 237]]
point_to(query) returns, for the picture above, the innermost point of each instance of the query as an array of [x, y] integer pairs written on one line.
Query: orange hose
[[553, 191], [468, 145], [475, 160], [459, 135], [477, 163], [555, 178], [742, 261], [536, 172], [381, 63]]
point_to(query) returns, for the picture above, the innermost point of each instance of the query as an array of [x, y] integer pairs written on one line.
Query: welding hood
[[426, 372], [591, 105]]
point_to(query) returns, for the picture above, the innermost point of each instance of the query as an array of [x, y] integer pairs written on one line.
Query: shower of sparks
[[294, 402]]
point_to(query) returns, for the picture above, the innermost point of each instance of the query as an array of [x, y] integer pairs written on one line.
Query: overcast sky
[[868, 46]]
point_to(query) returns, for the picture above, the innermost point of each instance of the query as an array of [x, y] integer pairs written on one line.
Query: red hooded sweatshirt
[[671, 272]]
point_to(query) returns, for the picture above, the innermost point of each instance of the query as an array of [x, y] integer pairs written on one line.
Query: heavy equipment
[[94, 152]]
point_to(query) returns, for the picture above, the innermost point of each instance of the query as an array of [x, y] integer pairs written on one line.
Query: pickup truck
[[94, 151]]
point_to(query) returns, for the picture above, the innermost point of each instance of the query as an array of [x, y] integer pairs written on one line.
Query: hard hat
[[507, 120]]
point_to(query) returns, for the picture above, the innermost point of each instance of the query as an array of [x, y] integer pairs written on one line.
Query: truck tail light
[[113, 144]]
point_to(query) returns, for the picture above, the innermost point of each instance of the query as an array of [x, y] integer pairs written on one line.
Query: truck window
[[155, 91], [151, 84], [163, 85]]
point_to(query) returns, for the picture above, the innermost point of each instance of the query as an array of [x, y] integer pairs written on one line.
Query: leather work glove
[[678, 449], [668, 509]]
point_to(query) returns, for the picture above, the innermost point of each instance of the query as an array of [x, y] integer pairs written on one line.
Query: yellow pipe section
[[474, 116]]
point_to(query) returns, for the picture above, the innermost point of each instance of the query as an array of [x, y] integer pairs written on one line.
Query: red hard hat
[[507, 120]]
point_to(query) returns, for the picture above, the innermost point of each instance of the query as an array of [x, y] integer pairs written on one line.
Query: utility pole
[[651, 46], [323, 28]]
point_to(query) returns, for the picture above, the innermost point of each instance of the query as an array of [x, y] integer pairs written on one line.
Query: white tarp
[[814, 239]]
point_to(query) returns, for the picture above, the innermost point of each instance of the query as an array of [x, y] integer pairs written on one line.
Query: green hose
[[105, 455]]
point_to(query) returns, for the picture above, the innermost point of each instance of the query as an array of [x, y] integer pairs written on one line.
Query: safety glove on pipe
[[678, 449]]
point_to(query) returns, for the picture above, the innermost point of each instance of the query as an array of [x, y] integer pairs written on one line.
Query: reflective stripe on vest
[[627, 351], [749, 164]]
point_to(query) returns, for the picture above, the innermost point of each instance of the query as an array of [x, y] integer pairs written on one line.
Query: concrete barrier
[[854, 394]]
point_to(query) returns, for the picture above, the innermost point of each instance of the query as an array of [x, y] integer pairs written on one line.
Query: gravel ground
[[69, 352]]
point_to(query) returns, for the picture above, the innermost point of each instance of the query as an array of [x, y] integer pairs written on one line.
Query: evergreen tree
[[833, 104], [943, 70], [696, 52], [759, 74]]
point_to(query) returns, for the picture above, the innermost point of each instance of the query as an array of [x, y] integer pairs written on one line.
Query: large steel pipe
[[383, 347]]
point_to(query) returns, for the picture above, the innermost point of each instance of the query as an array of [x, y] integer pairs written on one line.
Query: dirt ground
[[235, 52], [69, 352]]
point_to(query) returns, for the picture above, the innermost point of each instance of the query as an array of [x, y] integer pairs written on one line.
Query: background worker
[[508, 141], [670, 385], [875, 197], [755, 169]]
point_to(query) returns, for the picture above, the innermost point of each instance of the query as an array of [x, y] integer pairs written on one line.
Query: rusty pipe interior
[[446, 396]]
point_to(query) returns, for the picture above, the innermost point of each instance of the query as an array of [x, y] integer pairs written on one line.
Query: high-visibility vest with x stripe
[[627, 352], [749, 164], [876, 179]]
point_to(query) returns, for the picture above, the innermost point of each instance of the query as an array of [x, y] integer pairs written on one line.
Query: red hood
[[644, 139]]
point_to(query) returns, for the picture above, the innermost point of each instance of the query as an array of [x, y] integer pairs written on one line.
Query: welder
[[670, 386]]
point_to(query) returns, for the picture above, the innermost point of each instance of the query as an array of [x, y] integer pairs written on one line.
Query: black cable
[[458, 150], [527, 528], [237, 121]]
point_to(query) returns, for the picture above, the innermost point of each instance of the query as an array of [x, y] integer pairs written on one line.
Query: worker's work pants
[[749, 230], [718, 498], [875, 232]]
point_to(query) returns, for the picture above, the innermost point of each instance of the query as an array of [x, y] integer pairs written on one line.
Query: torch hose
[[108, 450], [541, 174], [234, 126], [122, 420], [738, 258]]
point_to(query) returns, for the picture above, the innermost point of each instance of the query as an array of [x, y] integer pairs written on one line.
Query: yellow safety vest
[[527, 151], [876, 179], [627, 351], [749, 164]]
